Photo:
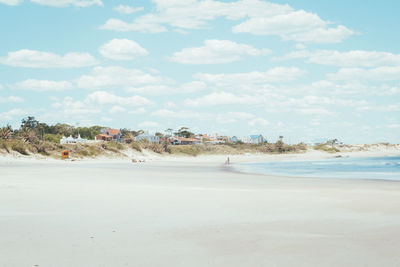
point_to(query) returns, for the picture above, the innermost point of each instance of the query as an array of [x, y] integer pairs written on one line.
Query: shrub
[[157, 148], [186, 150], [4, 145], [19, 147], [326, 148], [136, 146], [112, 145], [53, 138]]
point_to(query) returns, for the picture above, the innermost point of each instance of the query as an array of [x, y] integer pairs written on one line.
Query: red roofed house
[[189, 141], [109, 134]]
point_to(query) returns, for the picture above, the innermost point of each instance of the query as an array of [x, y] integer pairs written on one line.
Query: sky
[[304, 69]]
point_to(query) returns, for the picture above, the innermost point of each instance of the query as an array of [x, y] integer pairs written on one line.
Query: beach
[[184, 211]]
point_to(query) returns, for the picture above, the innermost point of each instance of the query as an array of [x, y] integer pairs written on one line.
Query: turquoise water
[[382, 168]]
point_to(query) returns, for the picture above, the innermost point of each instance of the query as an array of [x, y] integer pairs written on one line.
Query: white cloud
[[127, 9], [149, 124], [232, 117], [122, 49], [394, 107], [103, 98], [121, 26], [193, 14], [354, 58], [217, 52], [117, 109], [106, 119], [386, 73], [300, 46], [68, 106], [66, 3], [42, 85], [170, 104], [38, 59], [11, 2], [313, 102], [117, 77], [166, 113], [258, 122], [138, 111], [351, 87], [314, 111], [162, 89], [261, 18], [11, 114], [300, 26], [10, 99], [222, 98], [278, 74]]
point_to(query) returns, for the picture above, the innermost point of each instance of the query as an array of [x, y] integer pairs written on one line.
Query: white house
[[71, 140], [256, 139], [148, 137], [245, 139]]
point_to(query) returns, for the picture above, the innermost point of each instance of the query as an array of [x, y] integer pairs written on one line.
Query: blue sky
[[302, 69]]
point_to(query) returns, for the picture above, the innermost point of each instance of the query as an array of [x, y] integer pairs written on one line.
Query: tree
[[28, 136], [332, 142], [184, 132], [6, 132], [280, 146], [29, 123], [125, 132], [40, 128], [160, 135], [169, 130]]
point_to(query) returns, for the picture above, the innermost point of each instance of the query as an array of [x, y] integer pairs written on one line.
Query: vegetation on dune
[[329, 146], [34, 137], [19, 147], [191, 150], [136, 146]]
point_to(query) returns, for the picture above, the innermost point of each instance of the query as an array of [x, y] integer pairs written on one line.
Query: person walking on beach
[[227, 161]]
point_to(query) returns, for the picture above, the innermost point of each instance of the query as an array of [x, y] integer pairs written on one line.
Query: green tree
[[29, 123], [184, 132], [332, 142], [160, 135]]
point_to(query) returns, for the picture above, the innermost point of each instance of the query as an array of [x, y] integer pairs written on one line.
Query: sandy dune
[[190, 213]]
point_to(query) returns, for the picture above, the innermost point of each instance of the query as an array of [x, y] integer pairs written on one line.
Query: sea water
[[382, 168]]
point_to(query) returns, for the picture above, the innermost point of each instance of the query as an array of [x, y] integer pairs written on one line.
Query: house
[[245, 140], [189, 141], [256, 139], [71, 140], [215, 139], [108, 134], [146, 136], [103, 137], [170, 140]]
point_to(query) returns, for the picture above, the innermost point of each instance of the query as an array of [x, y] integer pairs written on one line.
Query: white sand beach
[[190, 212]]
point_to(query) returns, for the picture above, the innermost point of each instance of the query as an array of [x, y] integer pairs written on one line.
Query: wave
[[362, 168]]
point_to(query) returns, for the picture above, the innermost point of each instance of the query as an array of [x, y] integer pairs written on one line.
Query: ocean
[[381, 168]]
